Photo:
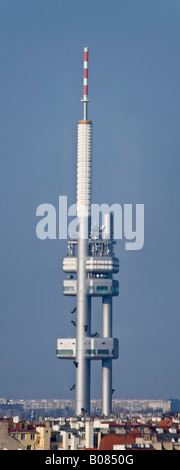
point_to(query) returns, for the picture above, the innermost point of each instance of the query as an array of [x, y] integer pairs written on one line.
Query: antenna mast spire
[[85, 83]]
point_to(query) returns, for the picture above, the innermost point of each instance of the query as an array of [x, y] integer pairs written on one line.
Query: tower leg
[[106, 386], [107, 363], [83, 371], [83, 326]]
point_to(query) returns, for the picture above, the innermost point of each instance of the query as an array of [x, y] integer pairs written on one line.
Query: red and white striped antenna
[[85, 83]]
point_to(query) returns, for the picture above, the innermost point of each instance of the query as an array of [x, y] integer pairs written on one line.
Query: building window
[[115, 289], [68, 288], [32, 437], [95, 440], [102, 288], [90, 351], [28, 447], [65, 352], [103, 351], [23, 437]]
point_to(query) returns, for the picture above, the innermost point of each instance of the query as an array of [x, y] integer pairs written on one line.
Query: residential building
[[7, 442], [28, 436], [141, 431]]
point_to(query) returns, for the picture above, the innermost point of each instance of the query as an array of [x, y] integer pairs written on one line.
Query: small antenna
[[85, 83]]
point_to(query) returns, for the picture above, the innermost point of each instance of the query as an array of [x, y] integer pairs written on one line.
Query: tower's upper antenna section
[[85, 83]]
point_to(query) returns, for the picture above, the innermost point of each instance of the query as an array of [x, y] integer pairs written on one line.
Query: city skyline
[[52, 406], [134, 90]]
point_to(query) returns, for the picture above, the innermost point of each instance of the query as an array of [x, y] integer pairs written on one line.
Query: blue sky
[[134, 76]]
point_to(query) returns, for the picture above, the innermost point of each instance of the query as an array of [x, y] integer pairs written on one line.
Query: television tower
[[90, 265]]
